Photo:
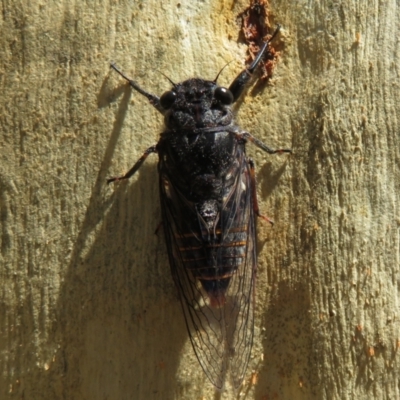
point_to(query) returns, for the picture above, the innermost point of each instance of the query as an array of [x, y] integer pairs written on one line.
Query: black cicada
[[208, 201]]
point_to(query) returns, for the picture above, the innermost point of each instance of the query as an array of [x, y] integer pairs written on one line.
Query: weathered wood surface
[[88, 308]]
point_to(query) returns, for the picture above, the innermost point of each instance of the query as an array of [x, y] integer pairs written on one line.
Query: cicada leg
[[138, 164], [254, 192]]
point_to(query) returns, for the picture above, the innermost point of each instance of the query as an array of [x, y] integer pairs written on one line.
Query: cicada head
[[197, 103]]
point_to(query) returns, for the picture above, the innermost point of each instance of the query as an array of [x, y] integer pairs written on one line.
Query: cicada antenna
[[219, 73], [170, 80]]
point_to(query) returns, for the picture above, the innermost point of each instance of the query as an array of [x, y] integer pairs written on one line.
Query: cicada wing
[[238, 225], [205, 324], [221, 334]]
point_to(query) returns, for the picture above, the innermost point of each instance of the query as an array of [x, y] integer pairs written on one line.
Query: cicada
[[208, 202]]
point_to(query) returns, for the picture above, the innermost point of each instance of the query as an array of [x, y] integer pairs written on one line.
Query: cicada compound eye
[[167, 99], [224, 95]]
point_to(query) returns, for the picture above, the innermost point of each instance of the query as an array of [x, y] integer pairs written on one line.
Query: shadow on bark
[[119, 323]]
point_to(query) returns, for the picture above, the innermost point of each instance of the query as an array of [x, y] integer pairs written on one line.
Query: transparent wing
[[238, 225], [219, 320]]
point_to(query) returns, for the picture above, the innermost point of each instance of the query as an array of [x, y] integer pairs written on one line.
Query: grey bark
[[88, 308]]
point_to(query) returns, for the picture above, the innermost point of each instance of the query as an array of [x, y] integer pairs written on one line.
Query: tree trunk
[[88, 306]]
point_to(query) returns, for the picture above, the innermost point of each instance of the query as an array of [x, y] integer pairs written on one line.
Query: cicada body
[[208, 202], [209, 228]]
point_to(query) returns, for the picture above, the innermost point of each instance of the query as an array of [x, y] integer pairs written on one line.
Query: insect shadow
[[118, 294]]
